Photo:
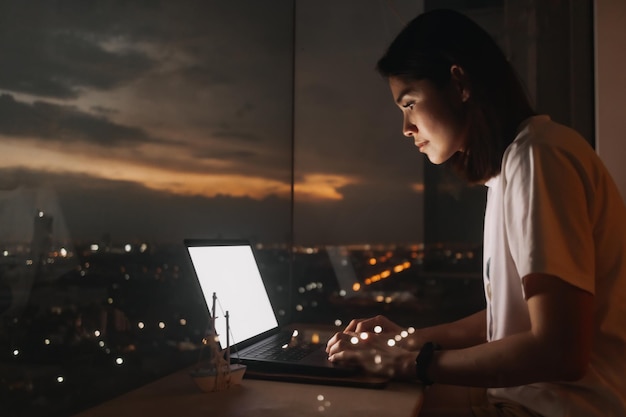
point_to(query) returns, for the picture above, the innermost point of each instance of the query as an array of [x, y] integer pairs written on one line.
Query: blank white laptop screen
[[232, 273]]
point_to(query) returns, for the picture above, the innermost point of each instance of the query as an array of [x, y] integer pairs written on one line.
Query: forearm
[[516, 360], [466, 332], [557, 347]]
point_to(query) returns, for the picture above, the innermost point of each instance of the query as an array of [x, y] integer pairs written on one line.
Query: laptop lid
[[229, 269]]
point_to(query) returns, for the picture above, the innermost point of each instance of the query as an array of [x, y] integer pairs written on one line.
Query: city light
[[110, 266]]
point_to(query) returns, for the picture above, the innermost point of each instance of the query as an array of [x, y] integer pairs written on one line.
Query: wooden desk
[[177, 395]]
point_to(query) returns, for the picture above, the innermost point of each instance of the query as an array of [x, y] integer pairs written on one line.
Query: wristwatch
[[423, 360]]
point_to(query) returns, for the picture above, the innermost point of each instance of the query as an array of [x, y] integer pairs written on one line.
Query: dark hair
[[426, 49]]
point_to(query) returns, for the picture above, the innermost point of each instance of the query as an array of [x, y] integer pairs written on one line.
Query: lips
[[421, 144]]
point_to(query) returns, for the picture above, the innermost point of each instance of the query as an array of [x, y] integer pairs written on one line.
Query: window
[[125, 128]]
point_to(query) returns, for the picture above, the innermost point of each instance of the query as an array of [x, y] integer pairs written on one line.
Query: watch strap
[[423, 361]]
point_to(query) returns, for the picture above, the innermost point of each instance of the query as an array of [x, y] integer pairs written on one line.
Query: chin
[[435, 160], [439, 157]]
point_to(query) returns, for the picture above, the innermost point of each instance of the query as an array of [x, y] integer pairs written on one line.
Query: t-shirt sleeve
[[546, 214]]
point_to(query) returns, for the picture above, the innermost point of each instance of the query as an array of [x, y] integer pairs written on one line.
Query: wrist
[[405, 366], [413, 342], [423, 361]]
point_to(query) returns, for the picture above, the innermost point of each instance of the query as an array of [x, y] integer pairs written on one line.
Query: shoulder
[[541, 142]]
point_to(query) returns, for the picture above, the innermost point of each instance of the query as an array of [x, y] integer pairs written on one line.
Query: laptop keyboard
[[281, 347]]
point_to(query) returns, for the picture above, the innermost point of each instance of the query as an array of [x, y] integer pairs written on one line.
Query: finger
[[352, 325], [343, 341], [366, 325], [332, 341], [378, 324], [345, 356]]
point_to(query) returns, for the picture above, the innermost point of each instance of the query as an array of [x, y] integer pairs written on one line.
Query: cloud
[[319, 186], [87, 208], [51, 122], [58, 62], [149, 105], [169, 85]]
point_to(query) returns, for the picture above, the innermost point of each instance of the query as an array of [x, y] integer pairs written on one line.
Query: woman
[[552, 339]]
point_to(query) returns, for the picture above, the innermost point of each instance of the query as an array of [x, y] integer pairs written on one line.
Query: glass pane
[[359, 183], [124, 128]]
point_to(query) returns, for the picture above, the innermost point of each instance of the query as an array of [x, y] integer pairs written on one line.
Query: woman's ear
[[461, 82]]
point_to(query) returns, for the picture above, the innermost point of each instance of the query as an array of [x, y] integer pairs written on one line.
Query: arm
[[466, 332], [375, 355], [557, 347]]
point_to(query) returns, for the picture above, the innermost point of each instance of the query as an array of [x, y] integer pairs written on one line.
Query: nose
[[408, 128]]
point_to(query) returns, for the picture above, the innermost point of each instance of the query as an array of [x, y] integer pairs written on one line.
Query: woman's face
[[433, 117]]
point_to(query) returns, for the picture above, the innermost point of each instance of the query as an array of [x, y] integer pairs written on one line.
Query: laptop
[[229, 269]]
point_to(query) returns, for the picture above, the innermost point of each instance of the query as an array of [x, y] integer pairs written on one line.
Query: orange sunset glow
[[314, 187]]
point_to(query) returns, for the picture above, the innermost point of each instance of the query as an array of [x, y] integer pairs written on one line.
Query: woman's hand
[[375, 345], [381, 328]]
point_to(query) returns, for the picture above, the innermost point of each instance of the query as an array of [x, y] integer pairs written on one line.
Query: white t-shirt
[[554, 209]]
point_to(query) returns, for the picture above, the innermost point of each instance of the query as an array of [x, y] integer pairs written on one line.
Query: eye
[[409, 105]]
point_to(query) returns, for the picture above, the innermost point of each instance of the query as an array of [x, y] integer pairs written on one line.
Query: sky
[[160, 120]]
